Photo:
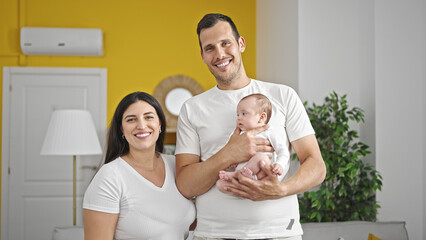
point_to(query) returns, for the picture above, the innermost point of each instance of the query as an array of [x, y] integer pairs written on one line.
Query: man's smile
[[223, 64]]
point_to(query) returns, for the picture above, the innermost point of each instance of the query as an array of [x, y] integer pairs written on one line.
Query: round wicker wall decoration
[[175, 84]]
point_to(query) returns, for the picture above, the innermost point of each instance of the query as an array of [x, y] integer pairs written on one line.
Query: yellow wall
[[144, 41]]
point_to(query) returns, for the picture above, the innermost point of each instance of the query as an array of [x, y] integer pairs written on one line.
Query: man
[[261, 209]]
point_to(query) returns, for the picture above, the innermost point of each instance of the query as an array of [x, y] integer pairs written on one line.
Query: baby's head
[[253, 111]]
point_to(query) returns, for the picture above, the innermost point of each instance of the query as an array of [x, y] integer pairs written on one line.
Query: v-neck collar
[[146, 181]]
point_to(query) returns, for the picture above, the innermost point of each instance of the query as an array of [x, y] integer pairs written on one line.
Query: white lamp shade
[[71, 132]]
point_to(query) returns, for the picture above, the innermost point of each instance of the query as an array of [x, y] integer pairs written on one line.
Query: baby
[[254, 111]]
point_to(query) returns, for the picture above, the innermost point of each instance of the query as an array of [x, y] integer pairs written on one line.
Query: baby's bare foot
[[247, 172], [222, 174]]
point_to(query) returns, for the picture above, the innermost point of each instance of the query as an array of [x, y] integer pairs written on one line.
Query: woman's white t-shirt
[[145, 210]]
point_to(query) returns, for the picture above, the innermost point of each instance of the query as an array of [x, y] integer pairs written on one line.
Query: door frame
[[7, 74]]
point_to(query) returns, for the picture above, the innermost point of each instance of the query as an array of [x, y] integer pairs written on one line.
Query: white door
[[37, 190]]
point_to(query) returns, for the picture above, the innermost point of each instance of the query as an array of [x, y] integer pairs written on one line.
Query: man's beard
[[227, 81]]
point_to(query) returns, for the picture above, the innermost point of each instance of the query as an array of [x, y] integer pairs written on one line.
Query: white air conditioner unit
[[61, 41]]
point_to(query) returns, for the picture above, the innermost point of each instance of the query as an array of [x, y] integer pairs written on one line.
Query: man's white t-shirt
[[204, 126], [145, 210]]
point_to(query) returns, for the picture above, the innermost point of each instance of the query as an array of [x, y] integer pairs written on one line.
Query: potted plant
[[349, 189]]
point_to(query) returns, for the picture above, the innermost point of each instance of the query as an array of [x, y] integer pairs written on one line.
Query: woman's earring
[[123, 137]]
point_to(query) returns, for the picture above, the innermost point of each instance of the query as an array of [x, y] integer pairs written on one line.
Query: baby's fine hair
[[262, 104]]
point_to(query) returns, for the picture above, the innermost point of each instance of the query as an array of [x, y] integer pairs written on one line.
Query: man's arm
[[195, 177], [310, 174]]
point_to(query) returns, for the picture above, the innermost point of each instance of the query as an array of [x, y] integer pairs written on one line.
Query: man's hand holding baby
[[241, 147]]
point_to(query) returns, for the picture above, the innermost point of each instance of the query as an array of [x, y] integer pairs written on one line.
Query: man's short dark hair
[[211, 19]]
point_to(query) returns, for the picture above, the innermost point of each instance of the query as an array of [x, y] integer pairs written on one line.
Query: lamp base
[[74, 192]]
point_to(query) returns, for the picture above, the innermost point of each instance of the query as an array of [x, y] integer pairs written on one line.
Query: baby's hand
[[277, 169]]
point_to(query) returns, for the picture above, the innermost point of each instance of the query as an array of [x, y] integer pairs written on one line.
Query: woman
[[134, 195]]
